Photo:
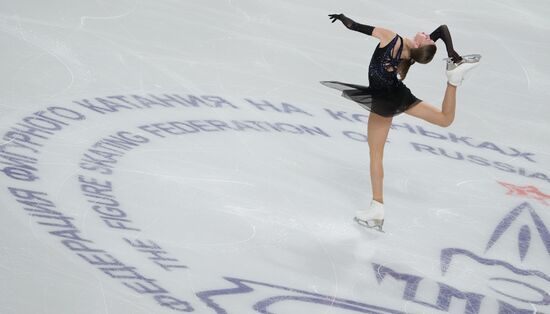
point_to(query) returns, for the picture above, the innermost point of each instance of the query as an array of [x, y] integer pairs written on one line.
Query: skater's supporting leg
[[443, 117], [378, 129]]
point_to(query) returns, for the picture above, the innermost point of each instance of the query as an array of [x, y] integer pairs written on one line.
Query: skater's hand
[[335, 17]]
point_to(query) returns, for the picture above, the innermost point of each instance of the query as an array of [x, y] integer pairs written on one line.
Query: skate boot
[[457, 72], [372, 217]]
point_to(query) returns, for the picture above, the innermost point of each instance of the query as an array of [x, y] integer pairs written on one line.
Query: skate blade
[[473, 58], [376, 224]]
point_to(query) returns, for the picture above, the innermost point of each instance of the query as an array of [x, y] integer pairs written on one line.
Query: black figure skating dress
[[386, 95]]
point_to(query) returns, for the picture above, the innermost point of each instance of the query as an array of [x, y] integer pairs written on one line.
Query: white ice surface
[[271, 208]]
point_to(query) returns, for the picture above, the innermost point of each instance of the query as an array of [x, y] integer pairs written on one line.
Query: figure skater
[[387, 96]]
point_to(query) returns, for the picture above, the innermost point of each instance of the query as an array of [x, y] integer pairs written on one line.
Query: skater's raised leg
[[443, 117]]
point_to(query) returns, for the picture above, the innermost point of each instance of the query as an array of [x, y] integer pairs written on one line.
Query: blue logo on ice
[[524, 236]]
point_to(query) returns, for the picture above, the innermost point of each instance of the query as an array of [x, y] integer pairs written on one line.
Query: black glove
[[351, 24], [335, 17], [442, 32]]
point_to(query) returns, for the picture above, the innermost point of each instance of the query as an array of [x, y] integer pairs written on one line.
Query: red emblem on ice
[[528, 191]]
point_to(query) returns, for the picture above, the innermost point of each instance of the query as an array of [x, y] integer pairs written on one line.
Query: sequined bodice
[[383, 65]]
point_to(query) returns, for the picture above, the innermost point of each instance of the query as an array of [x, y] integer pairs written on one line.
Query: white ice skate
[[372, 217], [457, 72]]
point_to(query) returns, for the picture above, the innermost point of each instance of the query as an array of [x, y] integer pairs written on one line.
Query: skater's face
[[423, 39]]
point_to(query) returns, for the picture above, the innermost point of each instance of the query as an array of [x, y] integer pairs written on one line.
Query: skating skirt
[[387, 102]]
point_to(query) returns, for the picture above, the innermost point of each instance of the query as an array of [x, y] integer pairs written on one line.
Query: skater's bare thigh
[[378, 129], [427, 112], [424, 111]]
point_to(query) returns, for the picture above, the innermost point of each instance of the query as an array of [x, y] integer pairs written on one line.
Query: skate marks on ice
[[96, 178], [206, 64], [415, 288], [260, 296]]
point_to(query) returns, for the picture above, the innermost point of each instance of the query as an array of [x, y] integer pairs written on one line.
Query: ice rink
[[181, 156]]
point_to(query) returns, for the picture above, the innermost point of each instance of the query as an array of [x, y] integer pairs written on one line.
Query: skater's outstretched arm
[[378, 32], [442, 32]]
